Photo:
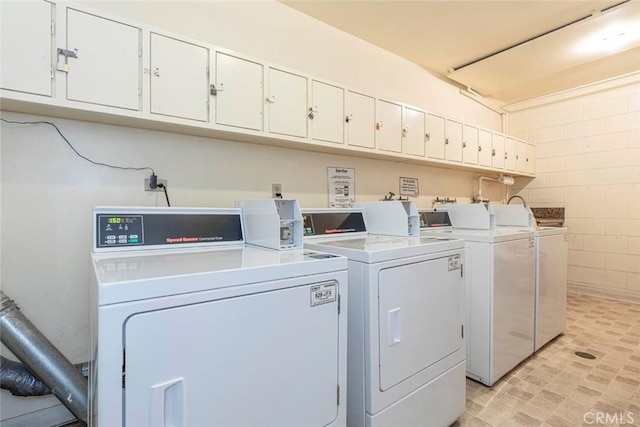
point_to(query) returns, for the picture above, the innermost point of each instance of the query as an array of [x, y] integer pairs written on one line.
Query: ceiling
[[506, 51]]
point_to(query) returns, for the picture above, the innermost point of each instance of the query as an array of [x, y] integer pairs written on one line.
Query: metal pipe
[[43, 358]]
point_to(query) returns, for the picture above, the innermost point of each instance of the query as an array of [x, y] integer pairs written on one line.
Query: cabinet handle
[[379, 125], [479, 147], [156, 72], [312, 112], [517, 157], [446, 141], [213, 90], [405, 131], [349, 118], [506, 156], [428, 136], [271, 99], [493, 152], [464, 145]]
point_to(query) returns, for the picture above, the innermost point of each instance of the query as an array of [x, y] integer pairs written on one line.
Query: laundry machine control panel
[[333, 221], [156, 228]]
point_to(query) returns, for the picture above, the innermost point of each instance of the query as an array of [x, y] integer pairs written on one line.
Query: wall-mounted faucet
[[519, 197]]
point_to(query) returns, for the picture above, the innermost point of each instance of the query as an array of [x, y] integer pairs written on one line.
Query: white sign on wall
[[342, 187], [409, 187]]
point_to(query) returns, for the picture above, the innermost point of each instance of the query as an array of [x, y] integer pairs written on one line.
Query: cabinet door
[[239, 92], [509, 153], [531, 159], [413, 131], [179, 78], [326, 114], [521, 156], [435, 136], [497, 151], [360, 120], [484, 148], [453, 141], [108, 67], [287, 103], [470, 145], [26, 46], [388, 126]]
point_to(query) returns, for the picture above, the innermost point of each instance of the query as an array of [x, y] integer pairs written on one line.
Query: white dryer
[[406, 348], [550, 270], [500, 290], [191, 327]]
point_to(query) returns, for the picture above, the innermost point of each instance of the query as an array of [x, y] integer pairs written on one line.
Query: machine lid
[[474, 235], [136, 228], [376, 248], [136, 275]]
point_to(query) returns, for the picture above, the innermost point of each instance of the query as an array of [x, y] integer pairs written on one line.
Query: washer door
[[268, 359], [420, 317]]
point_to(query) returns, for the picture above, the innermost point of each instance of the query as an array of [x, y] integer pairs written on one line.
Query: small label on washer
[[323, 294], [454, 262]]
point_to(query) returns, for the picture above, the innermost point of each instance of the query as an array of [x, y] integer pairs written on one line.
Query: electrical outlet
[[160, 181], [276, 190]]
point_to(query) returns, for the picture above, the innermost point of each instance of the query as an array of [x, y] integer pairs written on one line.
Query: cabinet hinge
[[462, 331], [461, 270], [338, 400], [53, 28], [139, 50], [139, 89], [208, 71], [53, 73], [338, 304]]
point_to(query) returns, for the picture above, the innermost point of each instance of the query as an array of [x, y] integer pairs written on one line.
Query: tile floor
[[557, 388]]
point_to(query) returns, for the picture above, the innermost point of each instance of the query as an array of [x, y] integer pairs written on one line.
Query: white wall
[[47, 192], [588, 160]]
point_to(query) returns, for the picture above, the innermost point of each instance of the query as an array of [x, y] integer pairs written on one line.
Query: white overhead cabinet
[[470, 145], [26, 34], [484, 148], [497, 151], [104, 61], [530, 167], [326, 113], [436, 135], [453, 141], [509, 154], [287, 103], [413, 131], [69, 58], [238, 92], [388, 126], [179, 78], [521, 156], [360, 120]]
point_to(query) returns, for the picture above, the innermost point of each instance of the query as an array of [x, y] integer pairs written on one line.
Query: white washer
[[205, 330], [406, 347], [500, 296], [550, 270]]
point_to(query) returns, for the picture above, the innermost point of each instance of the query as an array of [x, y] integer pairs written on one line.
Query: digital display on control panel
[[119, 230], [166, 229], [434, 219], [323, 223]]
